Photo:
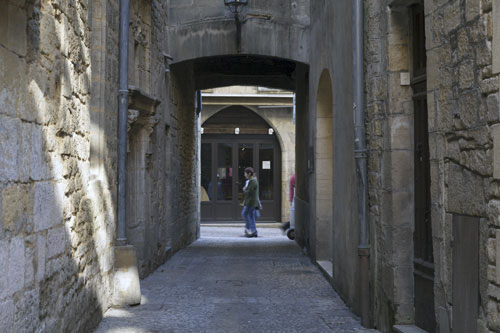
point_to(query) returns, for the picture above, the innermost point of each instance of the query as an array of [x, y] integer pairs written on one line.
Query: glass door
[[223, 163], [245, 160], [266, 170], [224, 181], [206, 190]]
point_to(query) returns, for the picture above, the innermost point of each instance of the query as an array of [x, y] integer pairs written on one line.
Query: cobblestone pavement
[[227, 283]]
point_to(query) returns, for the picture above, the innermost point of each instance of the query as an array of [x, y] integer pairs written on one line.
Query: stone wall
[[184, 191], [57, 225], [389, 122], [58, 115], [333, 54], [162, 146], [462, 102], [207, 28]]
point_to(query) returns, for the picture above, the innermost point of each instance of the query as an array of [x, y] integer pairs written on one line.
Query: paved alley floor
[[227, 283]]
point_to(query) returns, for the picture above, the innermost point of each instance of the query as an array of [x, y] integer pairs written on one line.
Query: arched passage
[[233, 139], [211, 72], [324, 169], [280, 119]]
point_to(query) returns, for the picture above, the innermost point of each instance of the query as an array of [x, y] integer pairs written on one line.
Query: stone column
[[141, 122], [139, 183]]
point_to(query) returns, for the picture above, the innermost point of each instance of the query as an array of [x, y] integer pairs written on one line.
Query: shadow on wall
[[324, 170], [58, 224]]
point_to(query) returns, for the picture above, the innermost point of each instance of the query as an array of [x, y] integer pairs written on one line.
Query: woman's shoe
[[251, 235]]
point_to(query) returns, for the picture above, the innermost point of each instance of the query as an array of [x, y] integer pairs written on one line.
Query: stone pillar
[[302, 143], [141, 120], [139, 201]]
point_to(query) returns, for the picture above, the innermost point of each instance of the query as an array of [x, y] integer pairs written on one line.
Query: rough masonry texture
[[463, 107], [58, 136], [58, 88], [58, 104]]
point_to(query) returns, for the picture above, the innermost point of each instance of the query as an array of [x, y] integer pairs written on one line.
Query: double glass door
[[224, 159]]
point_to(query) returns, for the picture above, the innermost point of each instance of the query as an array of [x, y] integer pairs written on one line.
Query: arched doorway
[[233, 139], [324, 170]]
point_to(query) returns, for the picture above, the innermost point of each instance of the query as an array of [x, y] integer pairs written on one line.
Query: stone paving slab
[[227, 283]]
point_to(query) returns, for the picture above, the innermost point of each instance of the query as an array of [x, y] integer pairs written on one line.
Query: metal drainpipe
[[360, 154], [121, 238], [238, 32]]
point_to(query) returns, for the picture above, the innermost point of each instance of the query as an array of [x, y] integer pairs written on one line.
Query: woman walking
[[250, 203]]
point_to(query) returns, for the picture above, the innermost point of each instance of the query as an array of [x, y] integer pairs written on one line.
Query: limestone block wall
[[57, 225], [462, 103], [140, 41], [58, 116], [183, 191], [389, 121], [146, 225], [163, 153], [207, 28]]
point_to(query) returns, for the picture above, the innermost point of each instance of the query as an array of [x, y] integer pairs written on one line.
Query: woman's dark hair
[[249, 170]]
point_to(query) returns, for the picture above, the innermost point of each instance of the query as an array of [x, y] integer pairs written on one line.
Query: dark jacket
[[251, 198]]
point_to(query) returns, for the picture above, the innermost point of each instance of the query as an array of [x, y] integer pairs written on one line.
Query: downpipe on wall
[[360, 154], [126, 286], [121, 238], [238, 32]]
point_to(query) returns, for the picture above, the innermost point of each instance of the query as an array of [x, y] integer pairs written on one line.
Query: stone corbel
[[144, 103], [402, 5], [142, 114]]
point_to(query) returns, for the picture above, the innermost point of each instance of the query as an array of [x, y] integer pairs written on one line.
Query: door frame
[[235, 140], [423, 259]]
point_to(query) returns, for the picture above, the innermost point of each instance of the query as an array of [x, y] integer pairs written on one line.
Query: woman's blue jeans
[[248, 214]]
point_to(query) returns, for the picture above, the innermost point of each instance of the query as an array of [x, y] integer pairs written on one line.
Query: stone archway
[[324, 171], [284, 131], [225, 154], [212, 72]]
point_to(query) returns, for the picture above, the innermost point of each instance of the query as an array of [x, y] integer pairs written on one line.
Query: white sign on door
[[266, 165]]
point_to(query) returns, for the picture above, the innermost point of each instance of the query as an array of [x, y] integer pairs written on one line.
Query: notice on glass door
[[266, 165]]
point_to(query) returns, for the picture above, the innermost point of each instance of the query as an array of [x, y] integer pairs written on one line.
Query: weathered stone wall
[[462, 102], [389, 112], [184, 191], [332, 53], [56, 225], [58, 115], [162, 152], [206, 28], [145, 221]]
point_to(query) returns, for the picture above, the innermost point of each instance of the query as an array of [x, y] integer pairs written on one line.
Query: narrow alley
[[227, 283], [134, 134]]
